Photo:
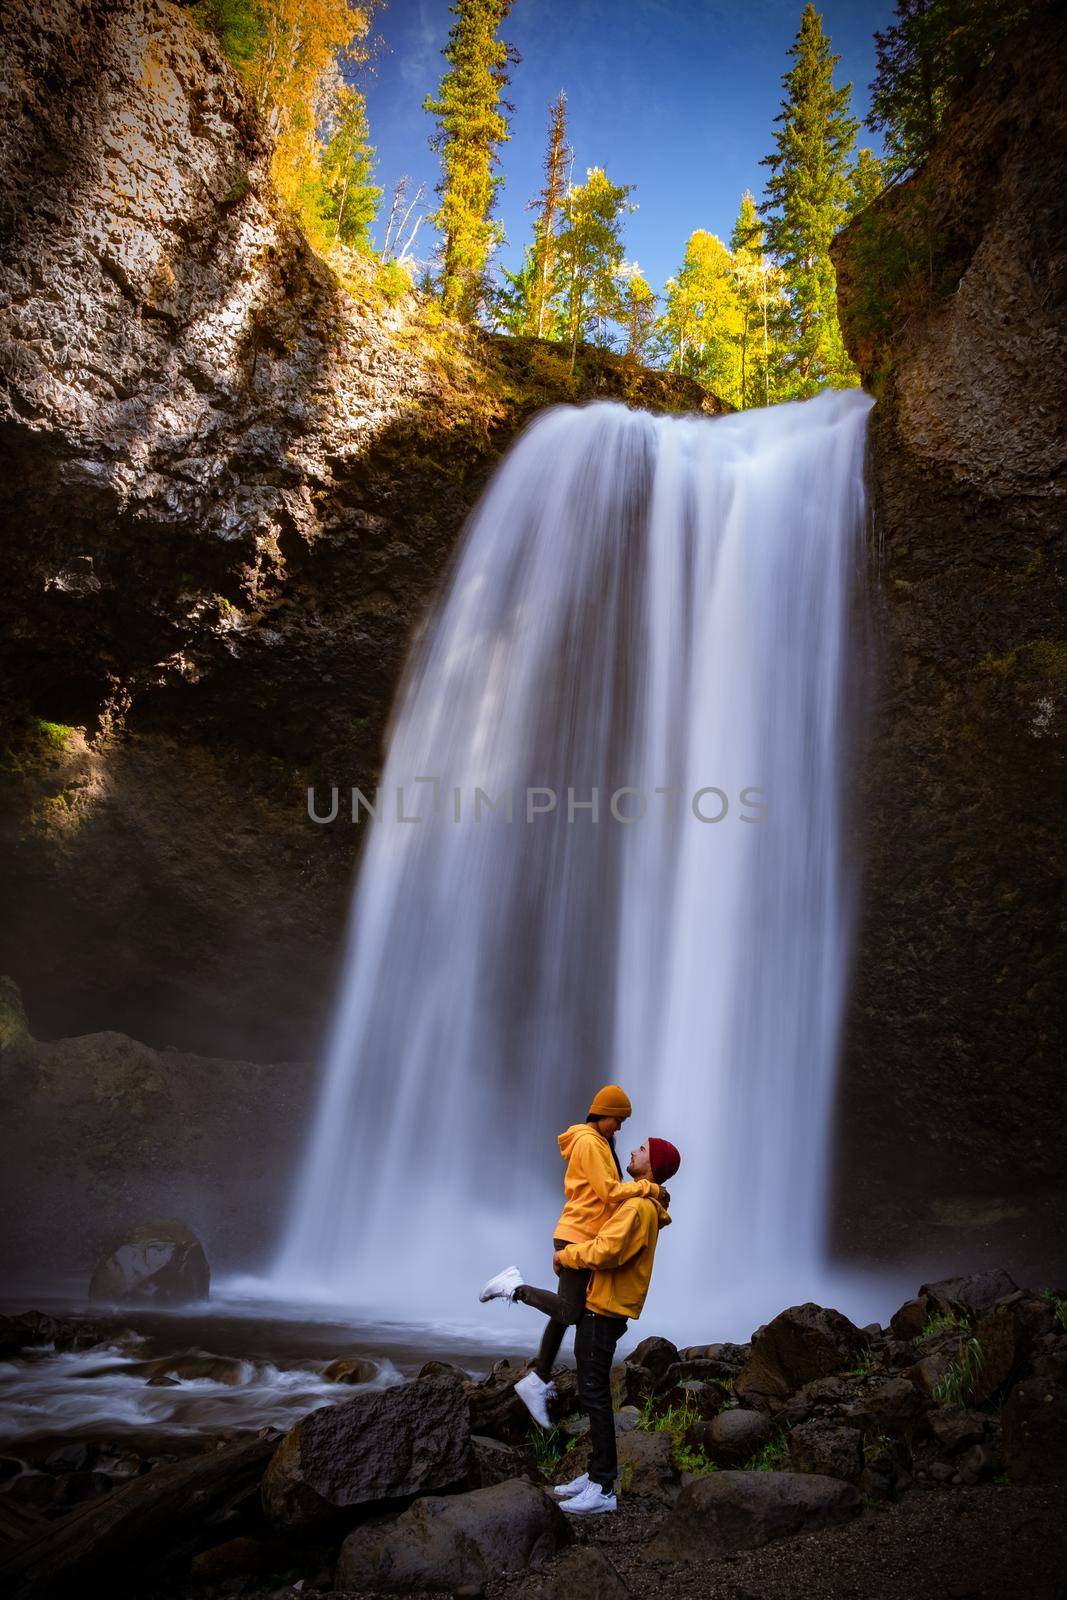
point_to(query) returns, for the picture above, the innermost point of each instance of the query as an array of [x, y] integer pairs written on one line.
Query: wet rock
[[657, 1356], [733, 1437], [443, 1369], [191, 1365], [74, 1457], [31, 1330], [583, 1573], [159, 1263], [127, 1537], [351, 1369], [626, 1419], [728, 1511], [827, 1449], [1034, 1422], [801, 1343], [455, 1541], [380, 1445]]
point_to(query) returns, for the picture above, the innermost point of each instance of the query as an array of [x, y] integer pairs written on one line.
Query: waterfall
[[654, 611]]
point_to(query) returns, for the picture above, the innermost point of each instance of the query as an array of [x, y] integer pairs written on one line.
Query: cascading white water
[[646, 604]]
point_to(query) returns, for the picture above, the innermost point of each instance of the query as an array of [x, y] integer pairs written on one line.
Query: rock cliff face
[[953, 291], [235, 478]]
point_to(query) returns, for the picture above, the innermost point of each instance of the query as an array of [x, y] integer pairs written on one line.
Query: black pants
[[562, 1308], [594, 1351]]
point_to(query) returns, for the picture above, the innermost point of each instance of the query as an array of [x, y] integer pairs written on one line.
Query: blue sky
[[676, 97]]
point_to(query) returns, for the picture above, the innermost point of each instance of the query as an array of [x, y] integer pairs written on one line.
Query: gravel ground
[[990, 1542]]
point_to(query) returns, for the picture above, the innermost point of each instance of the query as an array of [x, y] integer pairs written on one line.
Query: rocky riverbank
[[816, 1459]]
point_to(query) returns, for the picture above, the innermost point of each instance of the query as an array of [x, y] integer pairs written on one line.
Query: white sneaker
[[535, 1394], [503, 1286], [590, 1502], [567, 1491]]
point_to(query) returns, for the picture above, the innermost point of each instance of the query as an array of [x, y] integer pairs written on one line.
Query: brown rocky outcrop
[[237, 475], [140, 1132], [952, 290]]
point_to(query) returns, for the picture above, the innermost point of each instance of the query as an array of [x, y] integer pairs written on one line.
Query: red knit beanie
[[663, 1159]]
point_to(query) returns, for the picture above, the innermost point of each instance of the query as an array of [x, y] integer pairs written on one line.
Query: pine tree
[[924, 59], [808, 197], [349, 199], [867, 180], [471, 124], [516, 303], [590, 251], [548, 204]]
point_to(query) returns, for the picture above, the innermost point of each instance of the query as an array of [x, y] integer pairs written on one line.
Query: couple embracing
[[605, 1242]]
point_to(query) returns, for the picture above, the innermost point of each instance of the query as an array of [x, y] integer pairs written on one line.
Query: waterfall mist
[[645, 604]]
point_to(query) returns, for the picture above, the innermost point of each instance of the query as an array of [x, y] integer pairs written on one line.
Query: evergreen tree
[[808, 197], [516, 303], [867, 180], [590, 252], [932, 50], [349, 199], [548, 205], [471, 124]]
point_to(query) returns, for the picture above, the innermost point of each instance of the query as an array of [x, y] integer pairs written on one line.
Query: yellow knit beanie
[[611, 1102]]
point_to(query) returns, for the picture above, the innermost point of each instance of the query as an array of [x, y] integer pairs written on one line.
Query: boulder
[[495, 1462], [1002, 1348], [159, 1263], [646, 1465], [827, 1449], [455, 1542], [727, 1511], [890, 1407], [799, 1344], [969, 1296], [1035, 1432], [656, 1355], [583, 1573], [383, 1444], [887, 1472], [955, 1428], [733, 1437], [496, 1411], [352, 1369], [910, 1320]]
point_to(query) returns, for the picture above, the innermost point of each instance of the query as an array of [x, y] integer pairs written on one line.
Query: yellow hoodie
[[621, 1258], [591, 1184]]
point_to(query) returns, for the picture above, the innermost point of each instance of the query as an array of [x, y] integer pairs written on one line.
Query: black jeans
[[594, 1351], [562, 1309]]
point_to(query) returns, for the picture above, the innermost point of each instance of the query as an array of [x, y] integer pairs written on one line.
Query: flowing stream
[[661, 612]]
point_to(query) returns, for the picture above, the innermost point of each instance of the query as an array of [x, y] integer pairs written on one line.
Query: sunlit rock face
[[957, 1021], [233, 486]]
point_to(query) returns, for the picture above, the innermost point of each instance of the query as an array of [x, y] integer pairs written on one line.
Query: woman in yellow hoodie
[[594, 1189]]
